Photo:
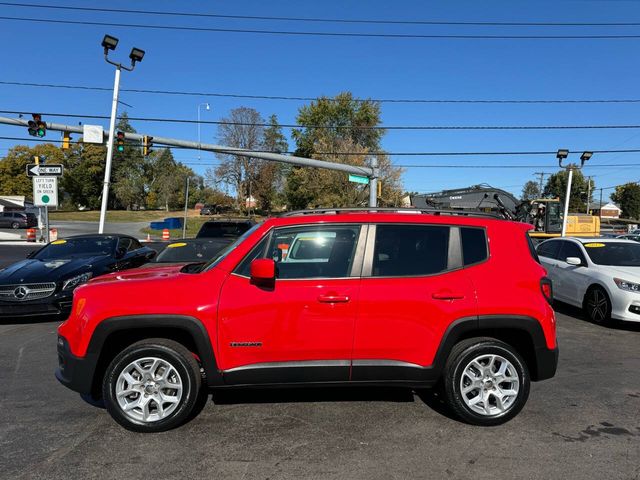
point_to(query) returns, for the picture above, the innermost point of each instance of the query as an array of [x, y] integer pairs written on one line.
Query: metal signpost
[[45, 188]]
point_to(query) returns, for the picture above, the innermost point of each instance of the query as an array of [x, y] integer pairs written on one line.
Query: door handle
[[446, 295], [333, 299]]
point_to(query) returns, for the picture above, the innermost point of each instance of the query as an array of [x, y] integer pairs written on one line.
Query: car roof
[[601, 240], [396, 216], [98, 235]]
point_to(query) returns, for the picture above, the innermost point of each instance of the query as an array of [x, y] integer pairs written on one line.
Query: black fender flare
[[542, 365], [190, 325]]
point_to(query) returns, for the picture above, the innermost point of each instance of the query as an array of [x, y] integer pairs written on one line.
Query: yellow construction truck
[[545, 214]]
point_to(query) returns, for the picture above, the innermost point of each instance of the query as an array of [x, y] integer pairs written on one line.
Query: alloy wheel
[[597, 306], [149, 389], [489, 385]]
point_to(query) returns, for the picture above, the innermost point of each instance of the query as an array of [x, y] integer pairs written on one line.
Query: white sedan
[[601, 275]]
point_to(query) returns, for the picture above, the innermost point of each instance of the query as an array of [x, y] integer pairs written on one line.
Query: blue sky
[[368, 67]]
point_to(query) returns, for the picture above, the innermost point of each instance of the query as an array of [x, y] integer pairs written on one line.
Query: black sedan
[[43, 284], [192, 250]]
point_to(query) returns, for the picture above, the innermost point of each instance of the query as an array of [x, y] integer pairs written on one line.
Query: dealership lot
[[583, 423]]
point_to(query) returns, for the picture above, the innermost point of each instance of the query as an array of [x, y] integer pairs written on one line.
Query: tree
[[627, 196], [557, 187], [531, 191], [242, 129], [340, 130], [341, 117], [84, 175], [269, 175], [128, 170], [13, 176]]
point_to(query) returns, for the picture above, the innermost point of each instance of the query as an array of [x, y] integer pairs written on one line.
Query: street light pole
[[107, 169], [136, 55], [206, 105], [561, 155]]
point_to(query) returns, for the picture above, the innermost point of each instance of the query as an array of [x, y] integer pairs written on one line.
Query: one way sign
[[52, 170]]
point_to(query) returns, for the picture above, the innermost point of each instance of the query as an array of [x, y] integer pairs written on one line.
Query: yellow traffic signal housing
[[66, 140], [147, 143]]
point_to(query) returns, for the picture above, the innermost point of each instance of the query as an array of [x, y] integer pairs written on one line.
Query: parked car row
[[599, 275], [17, 220], [42, 285]]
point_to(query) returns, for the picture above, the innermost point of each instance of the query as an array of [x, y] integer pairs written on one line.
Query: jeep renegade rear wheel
[[152, 385], [486, 381]]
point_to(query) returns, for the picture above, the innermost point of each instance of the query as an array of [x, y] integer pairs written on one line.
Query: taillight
[[547, 289]]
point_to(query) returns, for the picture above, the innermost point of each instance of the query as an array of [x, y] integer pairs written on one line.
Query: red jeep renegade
[[321, 298]]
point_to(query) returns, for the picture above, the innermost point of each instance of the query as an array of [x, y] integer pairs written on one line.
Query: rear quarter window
[[474, 245]]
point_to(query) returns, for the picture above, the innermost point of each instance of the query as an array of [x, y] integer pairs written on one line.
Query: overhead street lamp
[[561, 155], [207, 107], [110, 43]]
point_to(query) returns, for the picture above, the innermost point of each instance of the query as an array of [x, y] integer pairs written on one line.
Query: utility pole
[[542, 174], [588, 192], [186, 204], [600, 206], [136, 55]]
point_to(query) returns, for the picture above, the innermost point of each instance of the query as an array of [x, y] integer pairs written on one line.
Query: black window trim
[[454, 253], [356, 266]]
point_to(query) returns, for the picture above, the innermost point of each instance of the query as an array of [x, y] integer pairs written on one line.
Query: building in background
[[605, 210]]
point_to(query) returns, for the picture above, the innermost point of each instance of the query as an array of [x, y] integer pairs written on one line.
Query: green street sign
[[359, 179]]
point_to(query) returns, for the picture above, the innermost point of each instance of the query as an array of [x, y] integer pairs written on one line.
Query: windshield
[[554, 217], [218, 229], [224, 252], [614, 253], [77, 247], [192, 251]]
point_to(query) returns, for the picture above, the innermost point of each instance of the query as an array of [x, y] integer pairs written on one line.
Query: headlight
[[75, 281], [627, 285]]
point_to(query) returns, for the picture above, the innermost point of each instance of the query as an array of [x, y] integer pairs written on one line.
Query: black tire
[[460, 357], [15, 225], [597, 305], [175, 355]]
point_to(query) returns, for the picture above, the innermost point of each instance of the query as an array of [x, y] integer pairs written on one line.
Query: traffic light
[[37, 128], [147, 143], [120, 141], [66, 140]]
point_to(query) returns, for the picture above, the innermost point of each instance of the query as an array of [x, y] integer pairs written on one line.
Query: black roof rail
[[427, 211]]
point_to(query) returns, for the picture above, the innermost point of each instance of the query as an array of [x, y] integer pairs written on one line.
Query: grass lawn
[[193, 225], [117, 215]]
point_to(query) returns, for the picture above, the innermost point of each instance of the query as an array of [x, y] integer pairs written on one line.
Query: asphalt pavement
[[582, 424]]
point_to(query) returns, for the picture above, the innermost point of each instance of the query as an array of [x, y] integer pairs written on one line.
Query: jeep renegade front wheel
[[152, 385], [486, 381]]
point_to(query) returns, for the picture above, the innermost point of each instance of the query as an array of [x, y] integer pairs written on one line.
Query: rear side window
[[549, 249], [410, 250], [474, 245]]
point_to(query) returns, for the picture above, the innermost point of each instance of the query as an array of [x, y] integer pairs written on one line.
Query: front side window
[[410, 250], [570, 249], [322, 251]]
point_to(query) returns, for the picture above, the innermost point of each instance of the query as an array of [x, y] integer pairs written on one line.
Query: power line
[[395, 165], [382, 152], [327, 20], [347, 127], [312, 99], [323, 34]]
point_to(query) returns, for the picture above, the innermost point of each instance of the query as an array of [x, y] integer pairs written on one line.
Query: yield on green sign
[[359, 179], [45, 191]]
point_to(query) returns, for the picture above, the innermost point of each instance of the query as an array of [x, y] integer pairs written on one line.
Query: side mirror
[[151, 255], [121, 252], [263, 272], [575, 261]]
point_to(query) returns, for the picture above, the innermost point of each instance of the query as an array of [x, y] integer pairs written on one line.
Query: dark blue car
[[43, 284]]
